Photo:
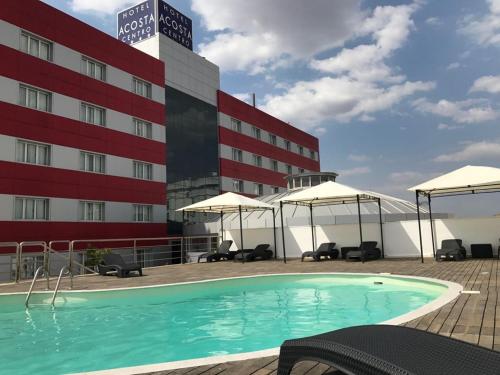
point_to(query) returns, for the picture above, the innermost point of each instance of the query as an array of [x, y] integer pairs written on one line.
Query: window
[[93, 115], [312, 154], [35, 98], [141, 87], [238, 186], [256, 132], [143, 171], [288, 145], [32, 153], [237, 155], [91, 211], [257, 160], [31, 209], [236, 125], [272, 139], [274, 165], [143, 128], [36, 46], [275, 189], [93, 69], [301, 170], [301, 150], [143, 213], [90, 162], [258, 189], [289, 169]]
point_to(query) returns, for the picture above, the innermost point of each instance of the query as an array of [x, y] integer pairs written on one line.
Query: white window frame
[[257, 160], [288, 145], [273, 139], [301, 150], [302, 170], [289, 169], [237, 155], [30, 97], [142, 88], [143, 170], [88, 114], [89, 162], [91, 211], [94, 69], [257, 133], [274, 164], [312, 154], [143, 213], [143, 128], [35, 207], [235, 125], [31, 44], [275, 189], [23, 154], [258, 189], [239, 186]]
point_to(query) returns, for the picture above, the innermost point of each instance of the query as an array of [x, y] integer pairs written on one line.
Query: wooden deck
[[471, 317]]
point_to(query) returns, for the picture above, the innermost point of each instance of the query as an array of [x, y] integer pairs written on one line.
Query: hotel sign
[[144, 20]]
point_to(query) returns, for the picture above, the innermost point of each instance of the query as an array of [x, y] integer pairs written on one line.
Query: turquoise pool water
[[103, 330]]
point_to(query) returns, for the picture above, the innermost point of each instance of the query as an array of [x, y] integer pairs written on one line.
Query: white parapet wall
[[400, 237]]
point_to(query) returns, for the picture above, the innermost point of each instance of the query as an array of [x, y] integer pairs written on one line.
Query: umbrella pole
[[283, 232], [419, 228], [312, 225], [432, 227], [222, 225], [241, 236], [360, 229], [274, 235], [381, 230]]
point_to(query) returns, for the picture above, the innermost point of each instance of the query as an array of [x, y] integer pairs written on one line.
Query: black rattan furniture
[[366, 251], [326, 249], [115, 262], [261, 252], [484, 250], [389, 350], [222, 252], [451, 249]]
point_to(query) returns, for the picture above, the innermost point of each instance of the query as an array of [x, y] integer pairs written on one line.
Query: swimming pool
[[130, 327]]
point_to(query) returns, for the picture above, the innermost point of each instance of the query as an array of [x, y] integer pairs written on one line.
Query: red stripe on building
[[244, 142], [17, 231], [240, 171], [39, 181], [17, 121], [233, 107], [74, 34], [25, 68]]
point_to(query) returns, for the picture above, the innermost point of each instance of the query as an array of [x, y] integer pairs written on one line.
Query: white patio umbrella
[[330, 193], [232, 203], [466, 180]]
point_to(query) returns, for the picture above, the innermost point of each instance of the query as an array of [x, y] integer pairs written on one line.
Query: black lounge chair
[[261, 252], [115, 262], [451, 250], [222, 253], [326, 249], [366, 251], [389, 350]]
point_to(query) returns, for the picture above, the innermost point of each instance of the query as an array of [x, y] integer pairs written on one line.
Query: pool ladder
[[64, 271]]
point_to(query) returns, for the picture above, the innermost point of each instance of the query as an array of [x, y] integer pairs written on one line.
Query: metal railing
[[38, 270], [56, 289]]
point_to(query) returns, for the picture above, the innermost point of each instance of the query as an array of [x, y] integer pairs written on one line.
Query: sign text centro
[[137, 23], [175, 25]]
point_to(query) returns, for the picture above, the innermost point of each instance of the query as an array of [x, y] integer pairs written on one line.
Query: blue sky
[[397, 91]]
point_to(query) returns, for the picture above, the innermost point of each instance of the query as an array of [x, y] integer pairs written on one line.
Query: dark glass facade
[[192, 154]]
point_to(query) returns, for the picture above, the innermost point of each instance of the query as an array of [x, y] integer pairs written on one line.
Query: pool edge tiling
[[452, 291]]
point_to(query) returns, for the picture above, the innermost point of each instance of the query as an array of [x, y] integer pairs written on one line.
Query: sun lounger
[[451, 250], [222, 253], [115, 262], [326, 249], [366, 251], [261, 252], [389, 350]]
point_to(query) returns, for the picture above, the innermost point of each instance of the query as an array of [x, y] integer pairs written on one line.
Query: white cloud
[[406, 177], [453, 65], [434, 21], [463, 112], [354, 171], [244, 97], [489, 84], [320, 131], [258, 34], [108, 7], [484, 30], [473, 151], [358, 158], [448, 127]]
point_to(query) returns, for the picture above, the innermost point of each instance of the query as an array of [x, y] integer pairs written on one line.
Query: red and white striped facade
[[294, 151], [64, 182]]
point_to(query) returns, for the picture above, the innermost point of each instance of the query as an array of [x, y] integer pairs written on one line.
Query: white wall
[[400, 238]]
